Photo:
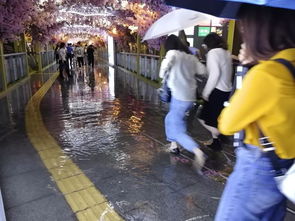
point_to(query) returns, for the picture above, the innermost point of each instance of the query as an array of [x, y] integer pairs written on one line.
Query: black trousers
[[63, 66], [70, 59], [80, 61], [90, 60]]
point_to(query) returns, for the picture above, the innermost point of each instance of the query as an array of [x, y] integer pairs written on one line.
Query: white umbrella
[[175, 21]]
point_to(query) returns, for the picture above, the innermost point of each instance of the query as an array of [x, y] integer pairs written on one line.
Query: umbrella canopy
[[213, 7], [175, 21], [271, 3], [227, 8]]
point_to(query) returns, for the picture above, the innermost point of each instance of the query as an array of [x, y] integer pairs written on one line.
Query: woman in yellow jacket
[[266, 103]]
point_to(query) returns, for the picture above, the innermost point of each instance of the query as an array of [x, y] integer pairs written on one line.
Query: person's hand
[[244, 56], [205, 99], [200, 159]]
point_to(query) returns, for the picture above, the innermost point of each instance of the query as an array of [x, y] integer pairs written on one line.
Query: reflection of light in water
[[116, 108], [135, 124], [112, 81]]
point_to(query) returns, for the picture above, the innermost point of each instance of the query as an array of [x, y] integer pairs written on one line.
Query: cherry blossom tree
[[43, 23], [14, 15]]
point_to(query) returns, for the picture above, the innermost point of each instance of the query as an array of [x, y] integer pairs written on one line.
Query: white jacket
[[79, 51], [219, 66], [62, 54], [182, 69]]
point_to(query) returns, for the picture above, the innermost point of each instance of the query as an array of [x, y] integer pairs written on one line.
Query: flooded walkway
[[110, 126], [113, 130]]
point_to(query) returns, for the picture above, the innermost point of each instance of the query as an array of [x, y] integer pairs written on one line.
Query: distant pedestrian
[[63, 67], [56, 53], [90, 55], [79, 53], [70, 54]]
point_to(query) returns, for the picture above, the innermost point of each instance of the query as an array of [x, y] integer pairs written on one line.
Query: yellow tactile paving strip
[[85, 200]]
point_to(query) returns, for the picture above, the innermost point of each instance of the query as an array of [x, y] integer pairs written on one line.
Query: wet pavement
[[111, 125], [28, 192], [113, 129]]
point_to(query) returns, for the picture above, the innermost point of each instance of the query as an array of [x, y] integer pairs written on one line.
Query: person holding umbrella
[[263, 106]]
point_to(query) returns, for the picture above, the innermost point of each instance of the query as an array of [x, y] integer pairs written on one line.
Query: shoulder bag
[[164, 91]]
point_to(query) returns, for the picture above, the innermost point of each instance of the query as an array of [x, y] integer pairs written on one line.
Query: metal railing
[[148, 64], [15, 67], [2, 86], [127, 61], [47, 58]]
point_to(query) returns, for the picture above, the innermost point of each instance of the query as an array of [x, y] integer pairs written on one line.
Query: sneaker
[[216, 145], [174, 150], [199, 160]]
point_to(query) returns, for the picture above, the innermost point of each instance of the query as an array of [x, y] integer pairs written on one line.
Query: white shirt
[[219, 66], [62, 54], [182, 69], [79, 51]]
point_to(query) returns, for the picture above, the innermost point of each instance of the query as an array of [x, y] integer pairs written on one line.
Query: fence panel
[[15, 67], [47, 58]]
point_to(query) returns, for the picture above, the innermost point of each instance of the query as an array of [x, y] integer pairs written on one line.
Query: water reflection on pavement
[[111, 124]]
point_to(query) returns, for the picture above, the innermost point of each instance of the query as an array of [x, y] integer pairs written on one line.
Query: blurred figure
[[63, 67], [70, 54], [180, 67], [264, 106], [218, 86], [90, 55], [56, 53], [79, 53]]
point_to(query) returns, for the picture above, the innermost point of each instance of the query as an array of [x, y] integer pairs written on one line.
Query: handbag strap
[[287, 64]]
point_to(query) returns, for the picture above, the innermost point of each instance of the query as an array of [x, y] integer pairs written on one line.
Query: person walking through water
[[218, 87], [63, 66], [90, 55], [79, 53], [264, 105], [70, 54], [181, 67]]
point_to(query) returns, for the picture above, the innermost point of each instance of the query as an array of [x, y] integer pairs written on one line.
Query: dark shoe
[[216, 145]]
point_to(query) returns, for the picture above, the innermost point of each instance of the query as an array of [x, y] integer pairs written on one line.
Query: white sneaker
[[173, 148], [199, 160]]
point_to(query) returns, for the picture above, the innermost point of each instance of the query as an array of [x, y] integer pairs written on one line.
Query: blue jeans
[[175, 124], [251, 193]]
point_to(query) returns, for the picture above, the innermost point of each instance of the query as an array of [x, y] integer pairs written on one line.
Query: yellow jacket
[[267, 99]]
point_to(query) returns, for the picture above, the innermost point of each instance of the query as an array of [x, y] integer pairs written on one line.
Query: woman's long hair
[[213, 40], [174, 43], [266, 30]]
